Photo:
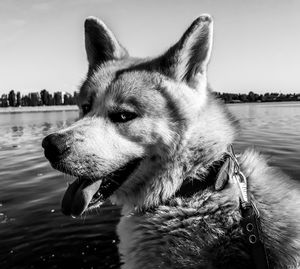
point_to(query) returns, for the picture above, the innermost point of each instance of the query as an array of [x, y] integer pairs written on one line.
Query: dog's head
[[141, 122]]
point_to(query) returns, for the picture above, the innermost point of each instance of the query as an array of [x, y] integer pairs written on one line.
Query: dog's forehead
[[139, 88], [133, 83], [120, 80], [98, 80], [101, 77]]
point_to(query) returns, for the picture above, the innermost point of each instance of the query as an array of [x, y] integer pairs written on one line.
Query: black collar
[[190, 185]]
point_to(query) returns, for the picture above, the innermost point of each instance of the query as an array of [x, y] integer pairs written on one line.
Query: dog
[[151, 138]]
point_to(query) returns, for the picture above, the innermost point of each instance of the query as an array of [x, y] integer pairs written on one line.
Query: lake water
[[33, 231]]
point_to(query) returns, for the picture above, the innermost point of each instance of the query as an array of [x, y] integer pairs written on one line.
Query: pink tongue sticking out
[[78, 196]]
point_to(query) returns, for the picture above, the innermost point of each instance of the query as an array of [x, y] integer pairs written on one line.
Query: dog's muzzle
[[86, 191]]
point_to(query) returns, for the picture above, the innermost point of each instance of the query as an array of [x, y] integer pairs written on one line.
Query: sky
[[256, 43]]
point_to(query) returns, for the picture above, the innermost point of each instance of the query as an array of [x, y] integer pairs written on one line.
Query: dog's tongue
[[78, 196]]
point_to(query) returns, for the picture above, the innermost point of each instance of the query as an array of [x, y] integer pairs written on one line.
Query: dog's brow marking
[[136, 65], [133, 101]]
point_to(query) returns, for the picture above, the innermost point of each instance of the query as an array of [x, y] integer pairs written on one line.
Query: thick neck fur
[[195, 152]]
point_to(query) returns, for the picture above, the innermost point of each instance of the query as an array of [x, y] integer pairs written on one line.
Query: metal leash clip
[[240, 178], [250, 221]]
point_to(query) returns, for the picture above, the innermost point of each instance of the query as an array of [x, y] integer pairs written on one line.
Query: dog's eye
[[86, 109], [122, 116]]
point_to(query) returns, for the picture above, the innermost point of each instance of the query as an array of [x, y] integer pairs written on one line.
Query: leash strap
[[250, 217], [252, 230]]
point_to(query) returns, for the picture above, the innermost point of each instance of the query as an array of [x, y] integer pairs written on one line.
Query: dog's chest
[[141, 244], [169, 237]]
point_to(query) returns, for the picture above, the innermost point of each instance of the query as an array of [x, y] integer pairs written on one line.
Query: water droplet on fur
[[73, 217], [52, 210]]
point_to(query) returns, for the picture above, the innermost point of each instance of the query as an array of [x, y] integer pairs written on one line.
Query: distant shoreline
[[38, 109], [29, 109]]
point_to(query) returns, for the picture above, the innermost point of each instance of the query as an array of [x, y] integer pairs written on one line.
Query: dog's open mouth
[[87, 192]]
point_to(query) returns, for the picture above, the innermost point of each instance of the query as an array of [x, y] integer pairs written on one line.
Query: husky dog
[[150, 134]]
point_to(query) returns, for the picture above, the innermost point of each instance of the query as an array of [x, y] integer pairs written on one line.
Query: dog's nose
[[54, 146]]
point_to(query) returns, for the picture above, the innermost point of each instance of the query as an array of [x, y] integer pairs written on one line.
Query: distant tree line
[[254, 97], [42, 98]]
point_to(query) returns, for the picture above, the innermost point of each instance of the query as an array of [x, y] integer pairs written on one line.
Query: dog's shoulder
[[197, 231]]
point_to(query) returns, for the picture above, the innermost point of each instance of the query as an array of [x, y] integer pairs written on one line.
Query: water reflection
[[272, 128], [17, 131], [46, 127]]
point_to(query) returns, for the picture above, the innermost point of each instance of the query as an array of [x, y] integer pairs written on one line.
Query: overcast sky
[[256, 43]]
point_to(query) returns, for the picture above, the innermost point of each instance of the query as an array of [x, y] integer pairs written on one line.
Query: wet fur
[[181, 130]]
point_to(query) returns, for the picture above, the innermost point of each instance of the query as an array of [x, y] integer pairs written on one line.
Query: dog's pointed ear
[[187, 60], [100, 43]]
